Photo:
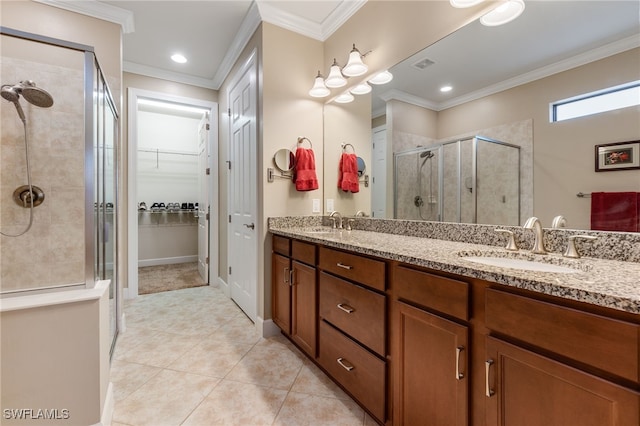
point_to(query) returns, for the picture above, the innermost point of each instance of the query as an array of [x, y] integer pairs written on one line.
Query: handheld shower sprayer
[[27, 195], [27, 88]]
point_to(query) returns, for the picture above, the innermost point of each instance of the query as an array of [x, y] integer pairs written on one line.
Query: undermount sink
[[320, 231], [523, 261]]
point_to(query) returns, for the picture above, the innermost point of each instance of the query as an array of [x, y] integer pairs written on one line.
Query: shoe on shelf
[[155, 207], [161, 206], [176, 206], [184, 206], [190, 206], [142, 206]]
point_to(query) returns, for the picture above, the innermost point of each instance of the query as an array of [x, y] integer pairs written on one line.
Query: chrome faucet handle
[[349, 222], [559, 222], [511, 241], [571, 250], [333, 222]]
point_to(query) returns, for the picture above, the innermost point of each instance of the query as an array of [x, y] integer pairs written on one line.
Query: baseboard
[[267, 327], [107, 411], [167, 261], [224, 287]]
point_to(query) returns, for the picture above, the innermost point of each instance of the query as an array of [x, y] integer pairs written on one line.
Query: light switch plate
[[316, 205]]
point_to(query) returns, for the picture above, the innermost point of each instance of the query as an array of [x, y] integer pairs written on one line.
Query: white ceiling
[[211, 34]]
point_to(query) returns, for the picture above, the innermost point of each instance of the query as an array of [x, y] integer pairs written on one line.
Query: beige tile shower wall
[[52, 252]]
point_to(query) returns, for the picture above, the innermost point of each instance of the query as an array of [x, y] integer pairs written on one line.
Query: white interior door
[[203, 198], [379, 172], [243, 262]]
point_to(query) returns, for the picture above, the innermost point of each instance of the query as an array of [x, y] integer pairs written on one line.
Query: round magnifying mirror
[[361, 166], [284, 159]]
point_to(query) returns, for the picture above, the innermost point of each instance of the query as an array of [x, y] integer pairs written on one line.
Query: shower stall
[[59, 297], [470, 180]]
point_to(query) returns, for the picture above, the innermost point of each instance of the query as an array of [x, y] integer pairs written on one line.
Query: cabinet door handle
[[459, 375], [487, 368], [291, 275], [347, 366], [343, 266], [348, 309], [286, 275]]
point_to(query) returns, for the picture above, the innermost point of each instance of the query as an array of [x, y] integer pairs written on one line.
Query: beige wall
[[563, 153]]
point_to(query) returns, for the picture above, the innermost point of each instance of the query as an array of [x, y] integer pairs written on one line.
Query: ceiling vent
[[423, 63]]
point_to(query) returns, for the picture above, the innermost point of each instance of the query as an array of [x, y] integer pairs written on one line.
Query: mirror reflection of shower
[[27, 196], [425, 213]]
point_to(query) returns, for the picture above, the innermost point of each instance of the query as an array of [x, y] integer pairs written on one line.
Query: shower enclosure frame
[[96, 90], [439, 148]]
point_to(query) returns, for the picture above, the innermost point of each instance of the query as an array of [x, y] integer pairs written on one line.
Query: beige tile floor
[[191, 357]]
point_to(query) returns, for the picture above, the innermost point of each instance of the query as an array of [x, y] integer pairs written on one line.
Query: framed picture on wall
[[618, 156]]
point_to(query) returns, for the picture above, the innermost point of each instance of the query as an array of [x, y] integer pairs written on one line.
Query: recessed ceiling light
[[178, 58], [446, 88]]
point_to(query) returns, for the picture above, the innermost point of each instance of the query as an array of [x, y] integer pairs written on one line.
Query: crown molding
[[249, 25], [405, 97], [591, 56], [140, 69], [306, 27], [96, 9]]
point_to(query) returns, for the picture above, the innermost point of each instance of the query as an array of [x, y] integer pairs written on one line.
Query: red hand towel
[[304, 176], [615, 211], [348, 174]]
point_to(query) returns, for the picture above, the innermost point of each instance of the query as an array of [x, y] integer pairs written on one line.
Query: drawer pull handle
[[459, 375], [343, 266], [487, 367], [286, 275], [291, 277], [346, 366], [348, 309]]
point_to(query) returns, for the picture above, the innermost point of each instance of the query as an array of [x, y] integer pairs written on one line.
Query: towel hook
[[302, 139], [345, 145]]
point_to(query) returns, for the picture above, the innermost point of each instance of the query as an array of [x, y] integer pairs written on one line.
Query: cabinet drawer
[[442, 294], [355, 310], [360, 372], [281, 245], [601, 342], [364, 270], [304, 252]]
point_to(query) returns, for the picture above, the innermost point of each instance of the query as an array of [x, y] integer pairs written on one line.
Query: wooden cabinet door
[[527, 389], [431, 371], [304, 307], [281, 292]]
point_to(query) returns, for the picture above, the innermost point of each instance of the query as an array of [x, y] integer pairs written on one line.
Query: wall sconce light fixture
[[344, 98], [381, 78], [506, 12], [319, 89], [355, 66], [361, 89], [335, 77]]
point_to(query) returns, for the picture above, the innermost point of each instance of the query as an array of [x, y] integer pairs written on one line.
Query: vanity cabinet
[[553, 364], [294, 300], [415, 346], [352, 310], [431, 365]]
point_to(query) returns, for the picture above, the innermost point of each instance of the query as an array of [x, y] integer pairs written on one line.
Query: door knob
[[250, 225]]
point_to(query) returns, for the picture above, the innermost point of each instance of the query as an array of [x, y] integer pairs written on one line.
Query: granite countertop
[[609, 283]]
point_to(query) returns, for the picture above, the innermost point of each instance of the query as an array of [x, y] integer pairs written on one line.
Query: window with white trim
[[612, 98]]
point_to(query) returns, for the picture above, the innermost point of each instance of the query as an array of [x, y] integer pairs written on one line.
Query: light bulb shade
[[504, 13], [355, 66], [335, 77], [361, 89], [464, 3], [319, 90], [345, 98], [382, 78]]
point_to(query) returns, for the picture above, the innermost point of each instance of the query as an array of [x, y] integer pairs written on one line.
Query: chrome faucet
[[360, 213], [559, 222], [336, 215], [538, 245]]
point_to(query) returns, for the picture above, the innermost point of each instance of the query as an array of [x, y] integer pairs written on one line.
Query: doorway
[[173, 237]]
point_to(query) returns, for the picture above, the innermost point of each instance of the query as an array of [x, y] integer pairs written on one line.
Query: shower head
[[35, 95], [426, 154], [27, 88]]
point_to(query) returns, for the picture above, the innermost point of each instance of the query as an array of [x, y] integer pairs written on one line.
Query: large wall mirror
[[503, 81]]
